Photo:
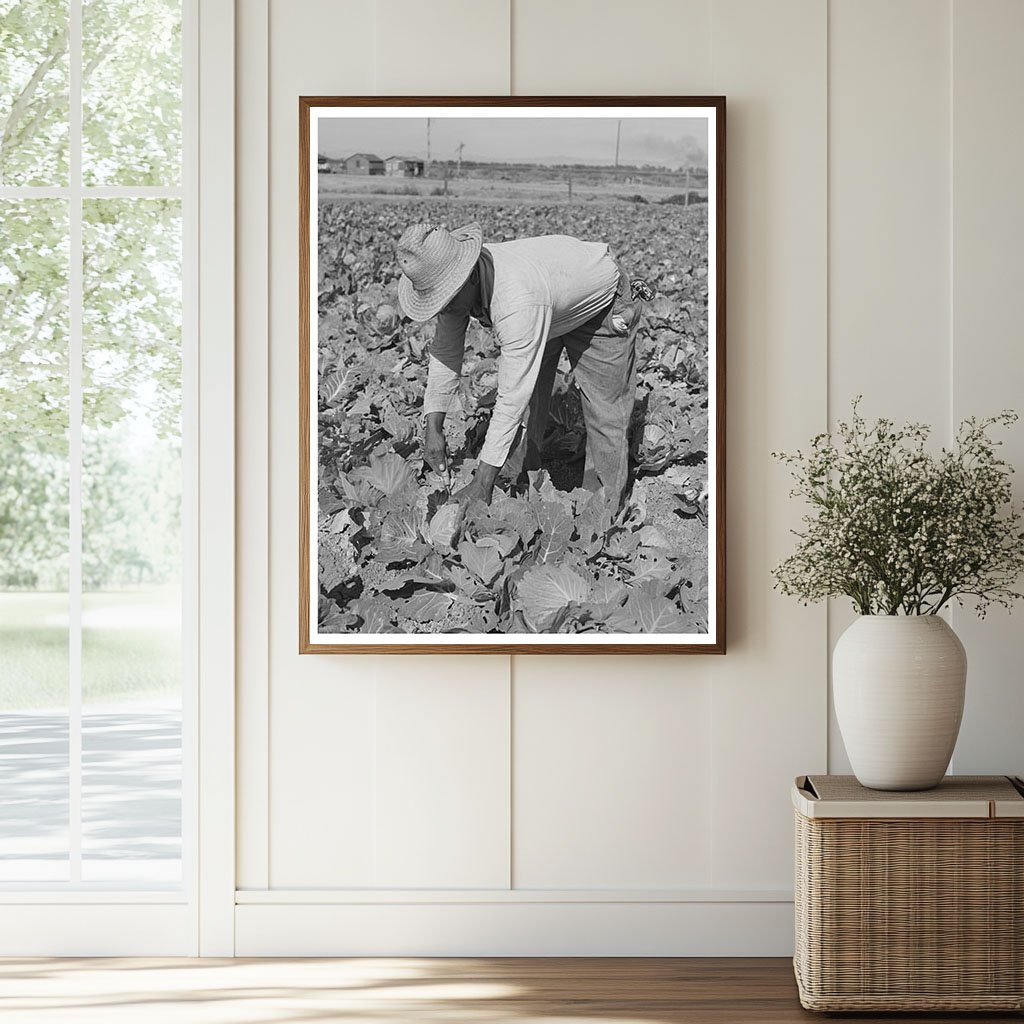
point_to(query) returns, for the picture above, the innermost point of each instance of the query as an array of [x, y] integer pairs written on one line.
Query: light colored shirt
[[543, 288]]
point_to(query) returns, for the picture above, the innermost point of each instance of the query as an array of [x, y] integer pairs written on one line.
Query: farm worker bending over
[[539, 296]]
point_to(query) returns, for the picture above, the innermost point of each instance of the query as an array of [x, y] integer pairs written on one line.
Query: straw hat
[[435, 263]]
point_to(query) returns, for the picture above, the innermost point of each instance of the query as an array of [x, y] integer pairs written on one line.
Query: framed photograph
[[512, 375]]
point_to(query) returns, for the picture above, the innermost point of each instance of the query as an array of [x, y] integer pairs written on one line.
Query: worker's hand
[[475, 490], [435, 449], [480, 488]]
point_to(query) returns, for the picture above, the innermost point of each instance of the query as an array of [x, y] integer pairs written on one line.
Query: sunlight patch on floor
[[300, 991]]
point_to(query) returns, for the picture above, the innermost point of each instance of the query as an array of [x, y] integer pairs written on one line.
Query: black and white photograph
[[511, 375]]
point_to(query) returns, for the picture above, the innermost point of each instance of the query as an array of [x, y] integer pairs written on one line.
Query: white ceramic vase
[[898, 684]]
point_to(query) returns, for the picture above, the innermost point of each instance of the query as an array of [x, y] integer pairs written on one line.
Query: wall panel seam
[[265, 263], [511, 706], [375, 782], [266, 271], [710, 783], [510, 50], [951, 200], [828, 345]]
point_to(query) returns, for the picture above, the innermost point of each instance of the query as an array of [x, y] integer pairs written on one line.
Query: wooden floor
[[381, 991]]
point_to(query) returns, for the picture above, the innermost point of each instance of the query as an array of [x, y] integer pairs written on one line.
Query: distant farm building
[[329, 165], [364, 163], [403, 167]]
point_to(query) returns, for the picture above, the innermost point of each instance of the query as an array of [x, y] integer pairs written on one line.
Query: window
[[95, 464]]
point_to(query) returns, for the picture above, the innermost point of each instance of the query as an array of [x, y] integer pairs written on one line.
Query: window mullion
[[75, 303], [94, 191]]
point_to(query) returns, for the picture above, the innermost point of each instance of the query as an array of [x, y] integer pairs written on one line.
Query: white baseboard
[[360, 896], [99, 928], [520, 928]]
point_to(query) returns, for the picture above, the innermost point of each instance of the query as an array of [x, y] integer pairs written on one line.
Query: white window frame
[[216, 395], [197, 918]]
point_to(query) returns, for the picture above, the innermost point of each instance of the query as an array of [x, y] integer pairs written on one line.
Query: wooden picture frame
[[345, 388]]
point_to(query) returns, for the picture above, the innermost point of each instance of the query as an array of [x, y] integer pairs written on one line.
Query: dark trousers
[[602, 354]]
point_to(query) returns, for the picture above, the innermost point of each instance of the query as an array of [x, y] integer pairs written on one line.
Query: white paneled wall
[[612, 775], [579, 48], [444, 48], [987, 356], [889, 208], [441, 798], [768, 694], [925, 211], [625, 805], [888, 264]]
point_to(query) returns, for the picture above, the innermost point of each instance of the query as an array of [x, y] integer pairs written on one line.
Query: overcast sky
[[669, 142]]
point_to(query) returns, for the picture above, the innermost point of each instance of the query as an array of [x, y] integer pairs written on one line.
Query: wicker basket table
[[910, 901]]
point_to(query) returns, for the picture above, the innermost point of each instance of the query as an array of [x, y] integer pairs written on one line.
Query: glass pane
[[33, 92], [33, 540], [131, 92], [131, 541]]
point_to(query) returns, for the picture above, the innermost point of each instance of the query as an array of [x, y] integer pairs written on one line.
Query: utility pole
[[428, 145], [458, 169], [618, 138]]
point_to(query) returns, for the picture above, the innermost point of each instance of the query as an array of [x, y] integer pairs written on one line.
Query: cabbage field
[[546, 556]]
